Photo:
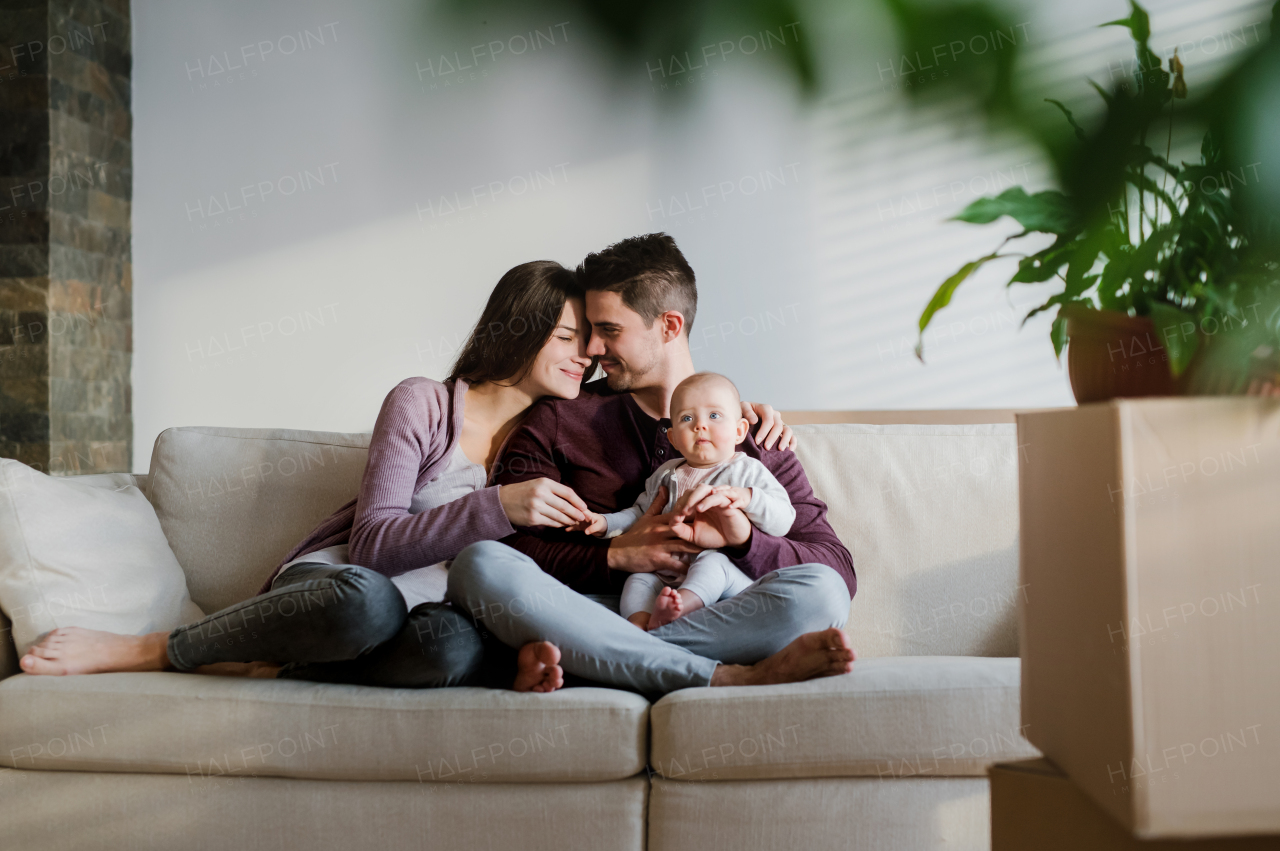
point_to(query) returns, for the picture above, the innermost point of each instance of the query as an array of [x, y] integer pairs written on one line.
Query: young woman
[[424, 497]]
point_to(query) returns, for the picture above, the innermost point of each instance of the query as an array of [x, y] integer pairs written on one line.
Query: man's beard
[[624, 381]]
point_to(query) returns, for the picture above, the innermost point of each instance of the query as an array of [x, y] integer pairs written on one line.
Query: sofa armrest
[[8, 652]]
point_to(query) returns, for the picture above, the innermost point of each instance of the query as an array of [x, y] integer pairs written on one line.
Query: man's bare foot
[[254, 670], [666, 608], [75, 650], [538, 668], [815, 654]]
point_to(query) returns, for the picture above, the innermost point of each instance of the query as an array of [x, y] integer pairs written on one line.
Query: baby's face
[[706, 424]]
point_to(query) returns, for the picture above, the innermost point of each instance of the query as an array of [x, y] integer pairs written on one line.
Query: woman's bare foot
[[538, 668], [815, 654], [666, 608], [75, 650]]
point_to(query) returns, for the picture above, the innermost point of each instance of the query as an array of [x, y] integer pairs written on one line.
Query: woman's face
[[563, 360]]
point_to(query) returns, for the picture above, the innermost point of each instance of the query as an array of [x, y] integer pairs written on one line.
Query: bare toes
[[36, 665]]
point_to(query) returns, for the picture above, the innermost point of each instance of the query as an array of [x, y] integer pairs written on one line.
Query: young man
[[641, 301]]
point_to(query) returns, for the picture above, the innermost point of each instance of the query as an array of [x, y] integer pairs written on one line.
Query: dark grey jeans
[[347, 624]]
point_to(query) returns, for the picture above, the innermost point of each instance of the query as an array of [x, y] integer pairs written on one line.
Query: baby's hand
[[595, 524], [738, 497]]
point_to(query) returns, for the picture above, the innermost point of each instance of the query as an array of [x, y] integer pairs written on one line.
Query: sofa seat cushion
[[913, 716], [170, 723]]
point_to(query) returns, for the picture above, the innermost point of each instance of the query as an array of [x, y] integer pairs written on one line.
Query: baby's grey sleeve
[[770, 509], [621, 521]]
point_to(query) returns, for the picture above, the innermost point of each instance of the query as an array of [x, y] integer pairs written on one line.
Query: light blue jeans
[[509, 594]]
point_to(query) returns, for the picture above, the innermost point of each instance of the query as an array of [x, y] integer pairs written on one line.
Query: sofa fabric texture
[[188, 724], [233, 502], [837, 812], [914, 716], [930, 513], [73, 811]]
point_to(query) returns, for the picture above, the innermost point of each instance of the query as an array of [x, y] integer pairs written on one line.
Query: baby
[[706, 428]]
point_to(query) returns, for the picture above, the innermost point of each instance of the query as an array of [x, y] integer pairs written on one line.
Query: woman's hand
[[542, 502], [594, 525], [772, 428]]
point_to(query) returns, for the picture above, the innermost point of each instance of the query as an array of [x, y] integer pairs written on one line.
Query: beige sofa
[[892, 756]]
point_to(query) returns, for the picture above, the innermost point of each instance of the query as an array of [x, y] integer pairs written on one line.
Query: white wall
[[341, 270]]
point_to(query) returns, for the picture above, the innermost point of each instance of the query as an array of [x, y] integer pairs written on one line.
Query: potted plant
[[1165, 287]]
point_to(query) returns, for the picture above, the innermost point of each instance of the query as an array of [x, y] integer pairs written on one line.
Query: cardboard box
[[1150, 618], [1035, 807]]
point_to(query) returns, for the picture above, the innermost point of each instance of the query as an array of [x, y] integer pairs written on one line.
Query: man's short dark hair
[[650, 274]]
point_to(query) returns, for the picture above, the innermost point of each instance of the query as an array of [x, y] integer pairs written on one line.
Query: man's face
[[628, 349]]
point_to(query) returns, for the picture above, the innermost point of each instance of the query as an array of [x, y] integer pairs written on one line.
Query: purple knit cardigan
[[413, 439]]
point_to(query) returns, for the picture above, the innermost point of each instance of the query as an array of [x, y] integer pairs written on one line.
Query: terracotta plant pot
[[1113, 355]]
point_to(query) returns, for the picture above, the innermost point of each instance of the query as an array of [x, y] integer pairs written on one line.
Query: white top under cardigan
[[424, 584]]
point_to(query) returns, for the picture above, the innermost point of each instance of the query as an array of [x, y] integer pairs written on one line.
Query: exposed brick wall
[[66, 177]]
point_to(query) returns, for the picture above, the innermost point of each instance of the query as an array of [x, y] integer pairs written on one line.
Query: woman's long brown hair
[[522, 312]]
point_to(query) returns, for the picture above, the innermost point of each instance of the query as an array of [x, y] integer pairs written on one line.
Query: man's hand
[[717, 520], [651, 544], [705, 497], [772, 429], [738, 497], [716, 529]]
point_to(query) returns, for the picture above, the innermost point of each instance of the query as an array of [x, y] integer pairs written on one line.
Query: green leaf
[[1058, 334], [1043, 265], [1210, 150], [1059, 300], [943, 296], [1138, 22], [1080, 134], [1048, 212], [1146, 184], [1085, 255], [1143, 154], [1114, 274], [1106, 96], [1177, 331], [1146, 257]]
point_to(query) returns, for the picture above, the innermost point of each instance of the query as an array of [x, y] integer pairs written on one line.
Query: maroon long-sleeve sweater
[[604, 447]]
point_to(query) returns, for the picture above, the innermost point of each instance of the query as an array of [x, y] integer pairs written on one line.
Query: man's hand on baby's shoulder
[[772, 429]]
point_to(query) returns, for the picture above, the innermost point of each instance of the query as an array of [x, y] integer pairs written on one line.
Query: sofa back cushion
[[233, 502], [930, 513]]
